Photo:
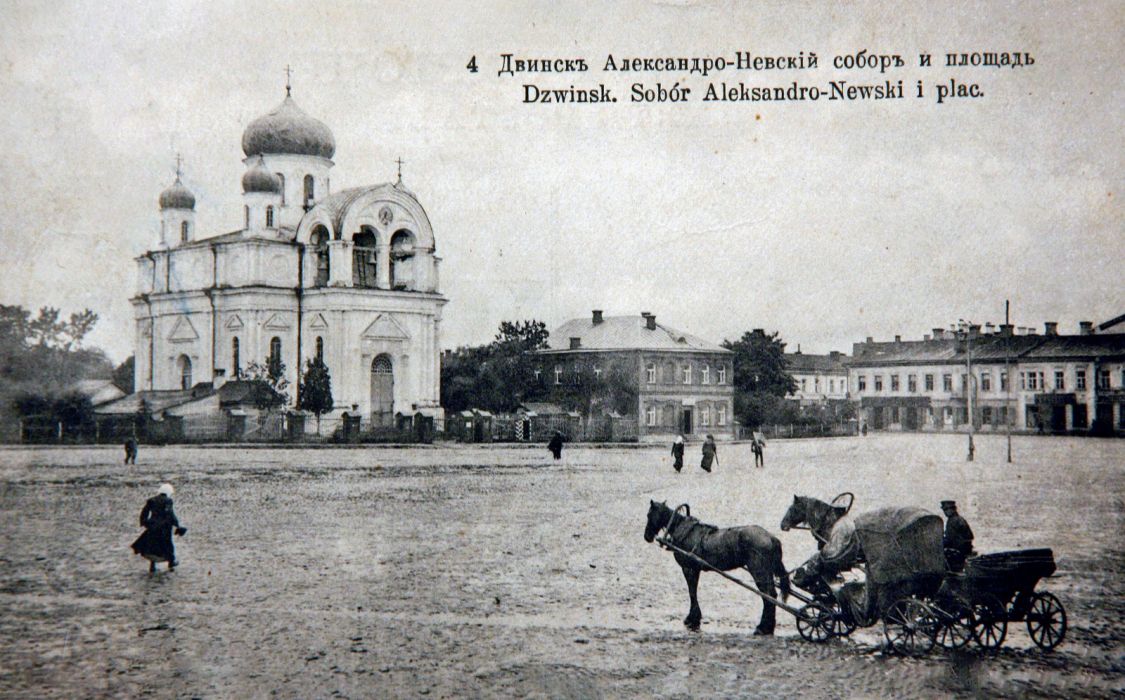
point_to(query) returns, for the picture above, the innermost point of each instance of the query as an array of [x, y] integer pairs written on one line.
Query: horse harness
[[685, 518]]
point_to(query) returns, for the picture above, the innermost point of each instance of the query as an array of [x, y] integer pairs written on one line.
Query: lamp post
[[966, 330]]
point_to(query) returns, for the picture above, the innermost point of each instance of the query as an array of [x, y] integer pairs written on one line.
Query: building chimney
[[650, 322], [925, 337], [974, 330], [798, 348], [575, 343], [597, 316], [834, 354], [870, 340], [1006, 330], [898, 338], [1050, 328], [1085, 328], [989, 328], [1032, 331], [939, 333]]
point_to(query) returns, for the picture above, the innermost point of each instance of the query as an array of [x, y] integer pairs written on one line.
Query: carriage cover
[[901, 544], [897, 543]]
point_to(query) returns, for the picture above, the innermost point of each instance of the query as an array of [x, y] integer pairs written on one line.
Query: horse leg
[[691, 575], [763, 578]]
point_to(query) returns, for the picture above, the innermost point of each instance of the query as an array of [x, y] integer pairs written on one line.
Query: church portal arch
[[382, 390]]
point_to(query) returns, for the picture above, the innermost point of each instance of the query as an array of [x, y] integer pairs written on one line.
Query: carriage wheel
[[991, 621], [909, 627], [956, 623], [1046, 621], [813, 622], [841, 623]]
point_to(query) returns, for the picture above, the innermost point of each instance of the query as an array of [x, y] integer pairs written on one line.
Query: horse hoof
[[763, 633]]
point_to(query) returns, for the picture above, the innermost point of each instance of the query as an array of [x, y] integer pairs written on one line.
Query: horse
[[749, 547], [818, 515]]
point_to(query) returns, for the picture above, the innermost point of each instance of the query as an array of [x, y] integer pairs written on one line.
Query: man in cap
[[958, 539]]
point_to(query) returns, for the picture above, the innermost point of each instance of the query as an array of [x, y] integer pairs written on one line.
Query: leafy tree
[[269, 387], [315, 392], [593, 387], [123, 375], [761, 380], [498, 376]]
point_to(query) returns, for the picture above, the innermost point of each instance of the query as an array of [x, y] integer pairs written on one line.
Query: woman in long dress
[[159, 521], [710, 453]]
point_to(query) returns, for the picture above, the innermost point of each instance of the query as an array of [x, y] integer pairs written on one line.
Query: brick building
[[672, 382]]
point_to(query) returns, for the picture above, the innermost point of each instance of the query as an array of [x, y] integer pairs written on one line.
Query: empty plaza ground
[[482, 571]]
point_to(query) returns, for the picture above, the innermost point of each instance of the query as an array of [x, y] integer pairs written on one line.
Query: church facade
[[349, 275]]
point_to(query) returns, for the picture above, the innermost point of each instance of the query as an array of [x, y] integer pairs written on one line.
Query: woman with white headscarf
[[159, 520], [678, 452]]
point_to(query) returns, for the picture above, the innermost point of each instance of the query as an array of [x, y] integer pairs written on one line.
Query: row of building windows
[[668, 415], [686, 373], [833, 385], [1029, 381]]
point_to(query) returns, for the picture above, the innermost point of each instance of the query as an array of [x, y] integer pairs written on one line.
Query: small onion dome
[[258, 179], [177, 197], [288, 129]]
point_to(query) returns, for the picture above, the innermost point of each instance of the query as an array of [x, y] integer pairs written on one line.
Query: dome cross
[[288, 80]]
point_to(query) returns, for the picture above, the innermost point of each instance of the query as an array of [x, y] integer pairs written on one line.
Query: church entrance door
[[382, 391]]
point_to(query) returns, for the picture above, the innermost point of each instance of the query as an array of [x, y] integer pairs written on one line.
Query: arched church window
[[310, 190], [185, 372], [269, 217], [364, 258], [275, 356], [402, 260], [319, 242], [281, 179], [247, 208], [235, 359], [320, 348], [184, 227], [381, 365]]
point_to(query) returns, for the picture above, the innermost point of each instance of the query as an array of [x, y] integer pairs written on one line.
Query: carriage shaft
[[705, 564]]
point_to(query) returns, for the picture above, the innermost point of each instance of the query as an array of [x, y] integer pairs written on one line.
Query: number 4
[[472, 66]]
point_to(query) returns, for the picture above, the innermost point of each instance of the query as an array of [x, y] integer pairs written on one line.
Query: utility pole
[[1008, 375], [967, 327]]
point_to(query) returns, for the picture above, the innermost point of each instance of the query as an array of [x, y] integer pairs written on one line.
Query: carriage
[[1001, 589], [899, 550]]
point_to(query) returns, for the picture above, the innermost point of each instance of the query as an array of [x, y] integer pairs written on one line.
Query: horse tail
[[780, 572]]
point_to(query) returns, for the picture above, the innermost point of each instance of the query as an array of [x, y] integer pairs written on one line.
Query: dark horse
[[818, 515], [749, 547]]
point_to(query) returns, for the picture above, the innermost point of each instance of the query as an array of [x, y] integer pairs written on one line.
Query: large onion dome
[[288, 129], [258, 179], [177, 197]]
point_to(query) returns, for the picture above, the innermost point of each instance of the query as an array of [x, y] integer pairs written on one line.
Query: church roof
[[338, 203], [626, 333], [287, 129], [177, 197]]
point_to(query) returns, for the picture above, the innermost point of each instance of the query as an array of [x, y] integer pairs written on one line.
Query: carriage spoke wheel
[[990, 626], [909, 627], [841, 623], [814, 624], [956, 623], [1046, 621]]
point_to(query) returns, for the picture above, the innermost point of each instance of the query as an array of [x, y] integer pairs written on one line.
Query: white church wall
[[190, 268]]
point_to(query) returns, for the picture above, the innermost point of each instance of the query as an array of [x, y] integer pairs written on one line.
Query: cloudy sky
[[828, 221]]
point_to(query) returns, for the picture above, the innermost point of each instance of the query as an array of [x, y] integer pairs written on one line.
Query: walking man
[[958, 537], [710, 453]]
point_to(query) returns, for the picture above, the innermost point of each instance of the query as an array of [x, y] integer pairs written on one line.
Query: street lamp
[[965, 330]]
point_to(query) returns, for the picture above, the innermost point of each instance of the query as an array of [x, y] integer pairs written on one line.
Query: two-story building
[[1048, 382], [676, 383], [821, 379]]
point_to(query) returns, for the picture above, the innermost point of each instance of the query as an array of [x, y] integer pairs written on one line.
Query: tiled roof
[[157, 400], [990, 348], [800, 362], [626, 333]]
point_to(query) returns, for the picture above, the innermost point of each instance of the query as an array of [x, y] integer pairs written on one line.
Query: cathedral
[[349, 275]]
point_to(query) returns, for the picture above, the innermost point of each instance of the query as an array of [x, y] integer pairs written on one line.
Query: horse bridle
[[667, 527]]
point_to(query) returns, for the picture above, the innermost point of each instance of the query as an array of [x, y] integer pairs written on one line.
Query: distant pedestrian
[[758, 447], [131, 450], [556, 445], [159, 521], [710, 453], [678, 453], [863, 429]]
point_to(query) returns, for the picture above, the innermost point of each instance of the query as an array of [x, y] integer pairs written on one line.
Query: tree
[[761, 379], [123, 374], [498, 376], [315, 392], [269, 387]]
